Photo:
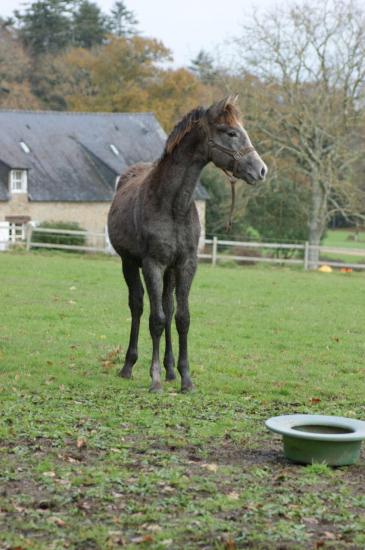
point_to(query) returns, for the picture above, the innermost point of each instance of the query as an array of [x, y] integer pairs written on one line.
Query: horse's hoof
[[187, 388], [155, 388], [170, 376], [125, 373]]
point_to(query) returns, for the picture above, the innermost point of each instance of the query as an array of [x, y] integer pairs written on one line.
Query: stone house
[[63, 166]]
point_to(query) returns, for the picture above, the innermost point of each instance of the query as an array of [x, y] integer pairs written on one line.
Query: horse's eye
[[232, 134]]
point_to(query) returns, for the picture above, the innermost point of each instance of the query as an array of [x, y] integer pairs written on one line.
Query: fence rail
[[305, 249], [90, 237], [67, 232], [212, 251]]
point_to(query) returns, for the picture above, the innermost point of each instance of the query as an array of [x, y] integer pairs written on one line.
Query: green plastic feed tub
[[314, 438]]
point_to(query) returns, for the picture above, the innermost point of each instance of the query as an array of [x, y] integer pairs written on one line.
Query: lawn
[[345, 238], [90, 461]]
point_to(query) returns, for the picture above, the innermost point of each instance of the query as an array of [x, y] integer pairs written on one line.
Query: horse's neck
[[178, 180]]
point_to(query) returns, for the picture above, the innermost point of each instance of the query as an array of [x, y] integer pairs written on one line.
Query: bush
[[56, 238], [280, 212]]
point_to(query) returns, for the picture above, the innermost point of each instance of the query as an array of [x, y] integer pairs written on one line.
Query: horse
[[153, 226]]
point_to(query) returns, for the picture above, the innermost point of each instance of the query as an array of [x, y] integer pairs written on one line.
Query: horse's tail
[[131, 173]]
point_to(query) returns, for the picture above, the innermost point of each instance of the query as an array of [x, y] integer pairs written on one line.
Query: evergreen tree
[[203, 67], [45, 26], [89, 25], [122, 22]]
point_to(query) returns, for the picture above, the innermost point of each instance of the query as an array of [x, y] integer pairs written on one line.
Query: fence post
[[306, 255], [214, 251], [28, 235]]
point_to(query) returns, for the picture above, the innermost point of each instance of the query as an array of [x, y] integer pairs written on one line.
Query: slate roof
[[70, 157]]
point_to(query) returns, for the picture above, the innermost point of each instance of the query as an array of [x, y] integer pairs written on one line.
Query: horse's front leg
[[184, 277], [168, 307], [135, 287], [153, 274]]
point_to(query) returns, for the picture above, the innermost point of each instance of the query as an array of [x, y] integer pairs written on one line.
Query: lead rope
[[236, 155], [232, 181]]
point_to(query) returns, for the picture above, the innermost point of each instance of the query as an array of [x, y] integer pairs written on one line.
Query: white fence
[[214, 250], [94, 242], [263, 252]]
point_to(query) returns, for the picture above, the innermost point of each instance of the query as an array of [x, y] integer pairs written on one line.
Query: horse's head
[[229, 146]]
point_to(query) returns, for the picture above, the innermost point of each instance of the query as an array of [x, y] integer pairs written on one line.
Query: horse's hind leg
[[135, 287], [153, 274], [168, 307]]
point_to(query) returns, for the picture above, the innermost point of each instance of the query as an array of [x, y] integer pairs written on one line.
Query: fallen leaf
[[314, 400], [49, 474], [18, 508], [233, 495], [210, 467], [117, 538], [112, 357], [144, 538], [81, 443], [330, 536], [84, 505], [59, 522], [230, 544], [72, 460]]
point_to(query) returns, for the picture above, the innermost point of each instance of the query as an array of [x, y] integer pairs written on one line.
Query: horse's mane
[[183, 127], [229, 114]]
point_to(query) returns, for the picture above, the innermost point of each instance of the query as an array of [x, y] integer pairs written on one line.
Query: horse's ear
[[218, 108]]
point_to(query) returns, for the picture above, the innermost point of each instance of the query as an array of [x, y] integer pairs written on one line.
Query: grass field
[[343, 238], [90, 461]]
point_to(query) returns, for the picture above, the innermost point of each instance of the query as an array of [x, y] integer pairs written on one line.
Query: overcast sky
[[184, 26]]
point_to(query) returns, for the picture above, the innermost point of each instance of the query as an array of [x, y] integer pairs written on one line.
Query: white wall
[[4, 235]]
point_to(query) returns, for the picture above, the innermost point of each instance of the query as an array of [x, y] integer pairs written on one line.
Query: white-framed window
[[16, 232], [18, 181]]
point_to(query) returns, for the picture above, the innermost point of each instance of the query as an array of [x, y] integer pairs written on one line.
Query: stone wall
[[91, 216]]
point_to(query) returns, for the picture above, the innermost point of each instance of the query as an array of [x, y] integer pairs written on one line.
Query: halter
[[236, 154]]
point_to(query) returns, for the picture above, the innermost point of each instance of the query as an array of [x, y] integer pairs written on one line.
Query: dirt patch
[[204, 473]]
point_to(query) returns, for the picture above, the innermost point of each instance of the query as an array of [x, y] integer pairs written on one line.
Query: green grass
[[91, 461], [343, 238]]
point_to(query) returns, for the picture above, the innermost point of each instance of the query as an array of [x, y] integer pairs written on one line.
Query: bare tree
[[310, 61]]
